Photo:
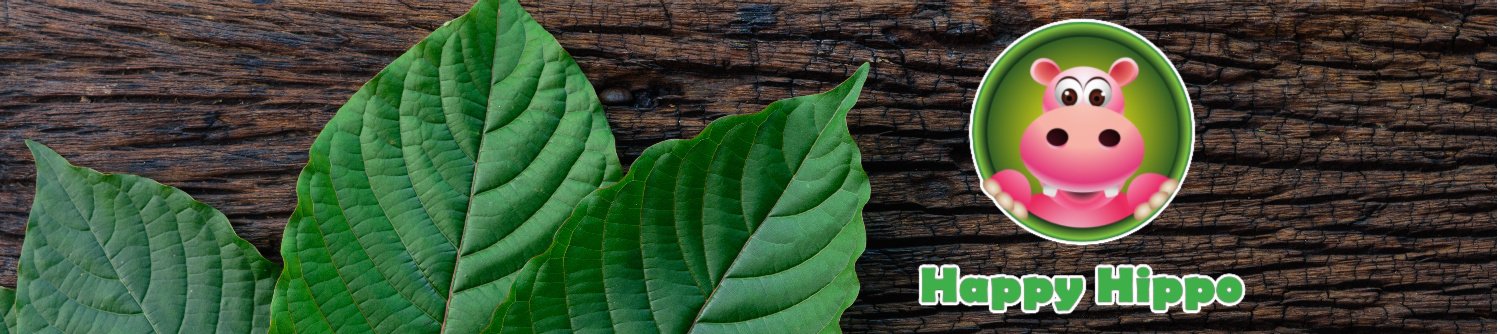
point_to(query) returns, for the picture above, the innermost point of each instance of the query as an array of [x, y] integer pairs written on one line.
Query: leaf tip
[[44, 156], [857, 80], [32, 144], [849, 90]]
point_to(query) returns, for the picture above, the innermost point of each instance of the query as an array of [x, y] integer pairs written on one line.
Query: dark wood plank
[[1345, 164]]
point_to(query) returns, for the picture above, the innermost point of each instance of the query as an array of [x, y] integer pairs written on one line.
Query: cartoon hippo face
[[1082, 143]]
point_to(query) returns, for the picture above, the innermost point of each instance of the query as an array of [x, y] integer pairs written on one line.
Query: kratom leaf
[[109, 253], [439, 178], [7, 309], [753, 226]]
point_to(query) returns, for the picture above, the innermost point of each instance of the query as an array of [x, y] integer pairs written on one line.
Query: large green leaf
[[123, 254], [7, 309], [754, 226], [434, 184]]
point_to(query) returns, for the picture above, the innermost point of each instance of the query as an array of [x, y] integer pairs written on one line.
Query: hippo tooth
[[1049, 190], [1112, 191]]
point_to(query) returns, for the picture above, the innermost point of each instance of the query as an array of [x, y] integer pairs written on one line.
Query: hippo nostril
[[1109, 138], [1057, 137]]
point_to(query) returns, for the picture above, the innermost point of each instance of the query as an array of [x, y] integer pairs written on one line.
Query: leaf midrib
[[697, 317], [135, 296], [484, 130]]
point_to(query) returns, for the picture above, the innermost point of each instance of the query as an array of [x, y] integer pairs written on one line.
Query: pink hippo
[[1083, 151]]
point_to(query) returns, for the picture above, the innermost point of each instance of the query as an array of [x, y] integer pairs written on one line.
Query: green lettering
[[934, 285], [1143, 284], [1005, 291], [974, 290], [1113, 286], [1230, 289], [1197, 291], [1069, 292], [1166, 291], [1038, 292]]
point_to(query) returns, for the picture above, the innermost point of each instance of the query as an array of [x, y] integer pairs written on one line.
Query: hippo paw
[[1010, 204], [1157, 200]]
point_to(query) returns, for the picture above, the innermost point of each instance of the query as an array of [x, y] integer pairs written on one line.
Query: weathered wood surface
[[1345, 164]]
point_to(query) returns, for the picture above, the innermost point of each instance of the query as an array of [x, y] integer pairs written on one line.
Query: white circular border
[[1192, 134]]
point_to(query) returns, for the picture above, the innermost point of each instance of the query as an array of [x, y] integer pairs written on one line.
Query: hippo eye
[[1057, 137], [1098, 90], [1067, 91], [1109, 138]]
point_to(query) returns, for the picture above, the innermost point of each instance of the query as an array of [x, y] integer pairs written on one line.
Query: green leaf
[[754, 226], [436, 181], [109, 253], [7, 309]]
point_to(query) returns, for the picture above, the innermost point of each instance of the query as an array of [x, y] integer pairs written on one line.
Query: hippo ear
[[1123, 71], [1043, 70]]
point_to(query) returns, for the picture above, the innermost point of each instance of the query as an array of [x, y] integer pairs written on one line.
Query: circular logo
[[1081, 131]]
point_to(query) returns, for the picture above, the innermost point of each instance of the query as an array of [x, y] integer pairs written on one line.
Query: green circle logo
[[1081, 131]]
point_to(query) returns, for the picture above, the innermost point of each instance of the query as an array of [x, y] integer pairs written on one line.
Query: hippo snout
[[1082, 149]]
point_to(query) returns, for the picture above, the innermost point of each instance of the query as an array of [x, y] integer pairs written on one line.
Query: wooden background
[[1345, 162]]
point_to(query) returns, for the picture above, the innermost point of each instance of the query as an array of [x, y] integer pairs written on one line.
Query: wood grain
[[1345, 163]]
